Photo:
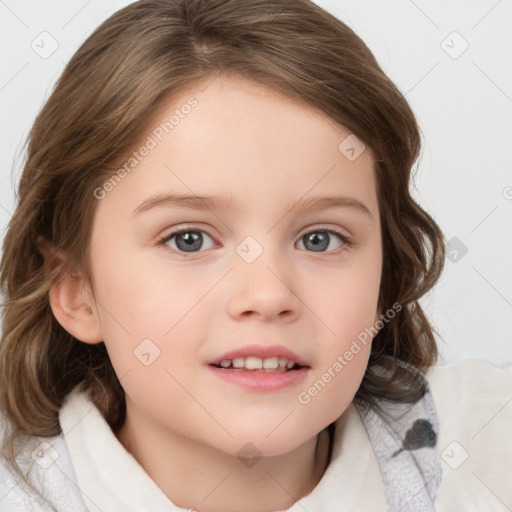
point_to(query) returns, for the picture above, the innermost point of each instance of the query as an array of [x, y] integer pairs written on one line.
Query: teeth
[[238, 362], [253, 363], [271, 362], [256, 363]]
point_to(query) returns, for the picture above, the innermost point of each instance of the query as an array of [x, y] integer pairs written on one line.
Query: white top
[[87, 469]]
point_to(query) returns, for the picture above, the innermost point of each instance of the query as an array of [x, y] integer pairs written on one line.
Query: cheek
[[345, 300], [149, 298], [347, 307], [138, 302], [340, 370]]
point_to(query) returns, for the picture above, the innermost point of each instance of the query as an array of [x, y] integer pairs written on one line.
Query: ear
[[71, 299]]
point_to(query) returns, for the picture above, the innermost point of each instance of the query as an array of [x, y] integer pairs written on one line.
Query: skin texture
[[184, 424]]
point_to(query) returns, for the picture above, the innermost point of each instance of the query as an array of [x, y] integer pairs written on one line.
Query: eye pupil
[[192, 240], [315, 238], [188, 238], [319, 239]]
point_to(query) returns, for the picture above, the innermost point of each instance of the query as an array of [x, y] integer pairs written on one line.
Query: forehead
[[234, 138], [249, 111]]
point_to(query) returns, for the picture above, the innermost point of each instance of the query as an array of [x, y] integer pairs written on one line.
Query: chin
[[264, 445]]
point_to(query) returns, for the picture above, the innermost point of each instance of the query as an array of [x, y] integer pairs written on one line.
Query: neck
[[195, 475]]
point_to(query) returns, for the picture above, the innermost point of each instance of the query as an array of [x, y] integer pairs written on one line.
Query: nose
[[263, 289]]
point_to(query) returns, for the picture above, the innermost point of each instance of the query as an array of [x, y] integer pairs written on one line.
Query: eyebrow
[[228, 203]]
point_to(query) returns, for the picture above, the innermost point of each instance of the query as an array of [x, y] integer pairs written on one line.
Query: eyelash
[[347, 242]]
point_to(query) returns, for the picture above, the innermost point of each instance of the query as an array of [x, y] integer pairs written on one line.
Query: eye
[[187, 240], [191, 240], [320, 239]]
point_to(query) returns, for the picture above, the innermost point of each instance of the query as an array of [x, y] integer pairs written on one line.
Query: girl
[[212, 280]]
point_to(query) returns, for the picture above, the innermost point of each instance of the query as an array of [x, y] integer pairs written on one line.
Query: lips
[[262, 352]]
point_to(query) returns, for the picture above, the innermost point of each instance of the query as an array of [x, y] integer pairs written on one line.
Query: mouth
[[260, 375], [260, 358]]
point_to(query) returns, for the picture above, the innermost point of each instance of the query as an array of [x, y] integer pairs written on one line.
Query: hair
[[97, 111]]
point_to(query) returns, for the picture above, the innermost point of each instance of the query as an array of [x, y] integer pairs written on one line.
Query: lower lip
[[262, 381]]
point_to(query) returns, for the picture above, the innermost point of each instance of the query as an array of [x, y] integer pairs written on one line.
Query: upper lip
[[262, 351]]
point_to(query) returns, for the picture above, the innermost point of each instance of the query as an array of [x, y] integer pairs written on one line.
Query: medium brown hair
[[96, 113]]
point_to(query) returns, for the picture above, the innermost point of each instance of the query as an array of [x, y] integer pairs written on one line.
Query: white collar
[[111, 479]]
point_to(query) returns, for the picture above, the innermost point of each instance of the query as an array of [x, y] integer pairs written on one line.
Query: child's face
[[267, 153]]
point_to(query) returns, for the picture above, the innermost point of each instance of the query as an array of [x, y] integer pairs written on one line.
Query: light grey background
[[462, 98]]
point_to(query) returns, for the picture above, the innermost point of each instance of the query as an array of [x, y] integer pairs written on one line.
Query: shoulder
[[473, 402], [470, 395], [47, 466], [15, 494], [473, 371], [462, 385]]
